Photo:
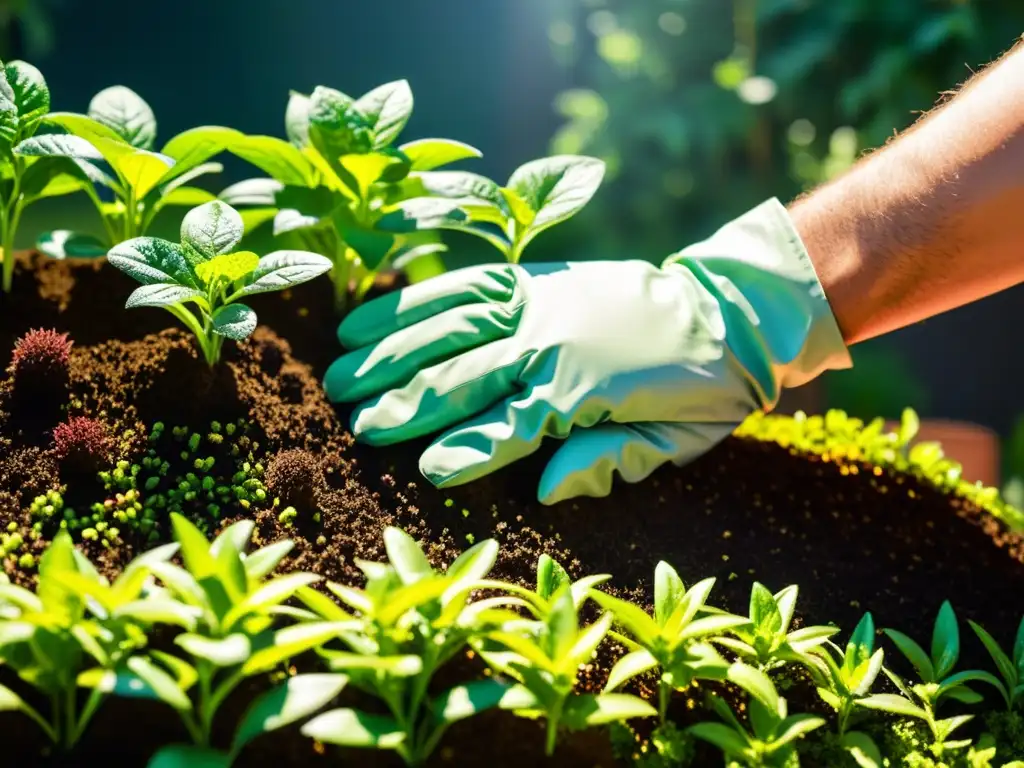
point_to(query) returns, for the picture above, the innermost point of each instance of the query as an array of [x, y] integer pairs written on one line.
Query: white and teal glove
[[629, 364]]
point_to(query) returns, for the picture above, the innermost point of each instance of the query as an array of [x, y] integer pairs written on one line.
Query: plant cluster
[[232, 619]]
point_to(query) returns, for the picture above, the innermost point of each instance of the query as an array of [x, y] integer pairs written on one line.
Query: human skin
[[931, 221]]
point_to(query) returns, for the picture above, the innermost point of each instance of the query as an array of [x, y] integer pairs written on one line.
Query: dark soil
[[853, 537]]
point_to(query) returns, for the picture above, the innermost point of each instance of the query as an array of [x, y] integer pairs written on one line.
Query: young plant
[[674, 640], [765, 640], [24, 100], [937, 681], [1011, 688], [412, 620], [112, 148], [336, 181], [76, 630], [771, 740], [204, 270], [843, 678], [545, 656], [233, 637]]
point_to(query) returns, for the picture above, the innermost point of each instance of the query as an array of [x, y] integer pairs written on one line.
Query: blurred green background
[[702, 108]]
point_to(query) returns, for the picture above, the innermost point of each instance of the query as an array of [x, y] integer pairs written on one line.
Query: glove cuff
[[779, 324]]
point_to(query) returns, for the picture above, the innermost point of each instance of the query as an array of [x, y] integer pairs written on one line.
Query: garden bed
[[853, 535]]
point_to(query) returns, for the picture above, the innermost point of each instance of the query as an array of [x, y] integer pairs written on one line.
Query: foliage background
[[702, 108]]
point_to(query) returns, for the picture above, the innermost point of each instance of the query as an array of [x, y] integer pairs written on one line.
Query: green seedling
[[766, 640], [76, 630], [24, 101], [112, 148], [674, 640], [204, 270], [538, 195], [234, 636], [545, 656], [1011, 670], [336, 182], [411, 621], [771, 739], [937, 681]]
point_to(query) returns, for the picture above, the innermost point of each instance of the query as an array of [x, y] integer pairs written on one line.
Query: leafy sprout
[[112, 149], [24, 101], [674, 640], [204, 270], [1011, 669]]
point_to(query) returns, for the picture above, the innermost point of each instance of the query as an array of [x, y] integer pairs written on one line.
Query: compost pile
[[853, 537]]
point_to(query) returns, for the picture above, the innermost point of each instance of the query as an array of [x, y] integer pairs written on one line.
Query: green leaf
[[428, 154], [892, 703], [289, 220], [153, 610], [66, 145], [252, 192], [521, 211], [1018, 648], [472, 698], [151, 260], [396, 666], [550, 577], [795, 727], [235, 321], [265, 559], [363, 171], [222, 652], [629, 666], [864, 675], [806, 638], [756, 683], [293, 700], [387, 109], [337, 126], [639, 624], [862, 749], [212, 229], [160, 684], [967, 676], [228, 266], [186, 196], [283, 161], [192, 148], [910, 424], [161, 295], [591, 710], [406, 556], [283, 269], [188, 756], [352, 728], [861, 643], [195, 549], [23, 598], [273, 592], [786, 600], [291, 641], [126, 113], [57, 559], [1003, 662], [915, 654], [8, 116], [669, 590], [722, 736], [711, 625], [31, 94], [296, 119], [50, 177], [945, 641], [556, 188], [475, 563], [65, 244], [764, 610]]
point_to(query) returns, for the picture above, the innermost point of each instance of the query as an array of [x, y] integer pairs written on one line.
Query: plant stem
[[664, 692], [131, 212], [8, 250], [69, 717]]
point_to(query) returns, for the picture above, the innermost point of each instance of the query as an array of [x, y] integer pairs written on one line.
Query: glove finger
[[381, 317], [586, 463], [394, 360], [507, 432], [441, 395]]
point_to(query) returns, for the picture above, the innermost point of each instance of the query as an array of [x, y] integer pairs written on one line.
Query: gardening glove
[[632, 365]]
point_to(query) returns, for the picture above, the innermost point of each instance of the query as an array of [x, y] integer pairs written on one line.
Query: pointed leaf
[[160, 684], [786, 600], [223, 652], [475, 563], [283, 269], [731, 742], [1003, 662], [161, 295], [290, 642], [892, 703], [387, 109], [293, 700], [862, 749], [152, 261], [629, 666], [915, 654], [756, 683], [212, 229], [861, 643], [591, 710], [264, 560], [945, 641], [764, 610], [272, 593], [396, 666], [428, 154], [283, 161], [195, 549], [556, 188], [352, 728], [550, 577], [795, 727], [406, 556], [668, 591], [296, 119], [864, 676], [153, 610], [969, 676], [642, 626]]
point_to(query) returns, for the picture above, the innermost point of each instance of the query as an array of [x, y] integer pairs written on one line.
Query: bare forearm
[[934, 220]]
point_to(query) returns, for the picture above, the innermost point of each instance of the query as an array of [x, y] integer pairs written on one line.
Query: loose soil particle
[[853, 537]]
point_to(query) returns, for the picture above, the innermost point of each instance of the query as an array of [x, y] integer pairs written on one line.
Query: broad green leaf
[[126, 113], [406, 556], [252, 192], [228, 266], [470, 699], [151, 261], [805, 638], [212, 229], [283, 161], [861, 644], [892, 703], [634, 619], [387, 109], [49, 176], [722, 736], [292, 641], [191, 149], [296, 698], [786, 600], [354, 598], [590, 710], [8, 116], [862, 749], [365, 170], [795, 727], [160, 684], [161, 295], [945, 641], [915, 654], [58, 558], [336, 125], [423, 213], [189, 756], [428, 154], [468, 188], [409, 597], [223, 652], [475, 563], [864, 675], [85, 127], [397, 666], [1003, 662], [195, 549], [31, 94], [265, 559], [352, 728], [756, 683], [520, 210], [711, 625], [64, 145], [668, 591], [235, 321], [764, 610], [373, 246], [296, 119], [273, 592], [65, 244], [154, 610], [186, 196], [557, 187], [283, 269], [629, 666]]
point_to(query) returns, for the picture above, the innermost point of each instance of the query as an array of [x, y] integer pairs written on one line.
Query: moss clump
[[1007, 729]]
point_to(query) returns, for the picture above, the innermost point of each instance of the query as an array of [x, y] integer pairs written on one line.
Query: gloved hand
[[630, 364]]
